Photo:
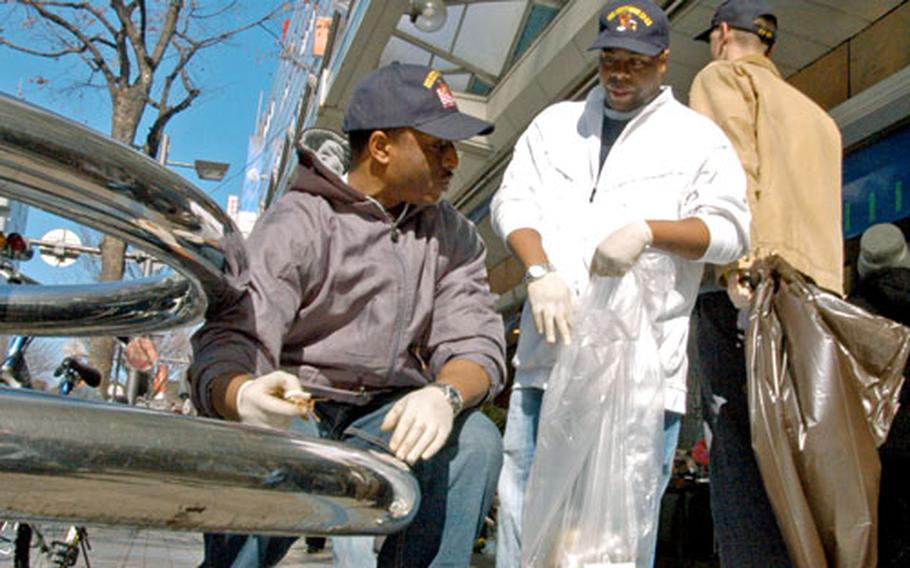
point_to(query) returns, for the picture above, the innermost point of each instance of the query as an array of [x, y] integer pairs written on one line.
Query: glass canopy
[[479, 42]]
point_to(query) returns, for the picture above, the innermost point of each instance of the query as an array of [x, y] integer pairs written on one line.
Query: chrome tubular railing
[[68, 169], [100, 463], [91, 462]]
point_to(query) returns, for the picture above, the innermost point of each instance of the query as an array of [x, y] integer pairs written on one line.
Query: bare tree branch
[[71, 28], [224, 9], [167, 33], [128, 34], [166, 112], [39, 53], [226, 35], [128, 44], [99, 15], [143, 22]]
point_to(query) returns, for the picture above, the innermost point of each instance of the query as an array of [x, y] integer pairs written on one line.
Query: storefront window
[[875, 183]]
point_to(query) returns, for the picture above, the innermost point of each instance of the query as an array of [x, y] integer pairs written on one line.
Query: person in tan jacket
[[791, 152]]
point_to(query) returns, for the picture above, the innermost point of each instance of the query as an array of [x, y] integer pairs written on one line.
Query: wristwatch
[[538, 271], [452, 396]]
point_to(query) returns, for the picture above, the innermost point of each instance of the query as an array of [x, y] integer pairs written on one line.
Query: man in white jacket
[[591, 185]]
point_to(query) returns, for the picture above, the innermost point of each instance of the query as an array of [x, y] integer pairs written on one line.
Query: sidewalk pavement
[[114, 547]]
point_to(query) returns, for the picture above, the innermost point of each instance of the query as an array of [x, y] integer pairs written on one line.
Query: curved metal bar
[[100, 463], [59, 165], [110, 464], [106, 308]]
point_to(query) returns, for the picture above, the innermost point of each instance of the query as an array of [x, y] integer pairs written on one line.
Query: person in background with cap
[[591, 185], [371, 294], [791, 152], [883, 268]]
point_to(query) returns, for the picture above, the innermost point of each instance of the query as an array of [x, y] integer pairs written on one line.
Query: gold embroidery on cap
[[625, 13], [432, 76]]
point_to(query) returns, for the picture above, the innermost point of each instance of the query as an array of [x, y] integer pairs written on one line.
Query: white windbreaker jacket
[[669, 163]]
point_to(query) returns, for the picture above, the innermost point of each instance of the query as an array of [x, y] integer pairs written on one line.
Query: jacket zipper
[[400, 314]]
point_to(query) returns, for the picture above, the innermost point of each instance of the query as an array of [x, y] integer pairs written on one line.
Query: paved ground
[[124, 548]]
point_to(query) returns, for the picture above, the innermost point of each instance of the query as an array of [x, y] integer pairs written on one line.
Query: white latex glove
[[616, 254], [552, 303], [739, 291], [261, 401], [422, 421]]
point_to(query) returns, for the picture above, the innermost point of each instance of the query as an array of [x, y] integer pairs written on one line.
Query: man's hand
[[552, 303], [261, 401], [739, 290], [616, 254], [141, 354], [422, 421]]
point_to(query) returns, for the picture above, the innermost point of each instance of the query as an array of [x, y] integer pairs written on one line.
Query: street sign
[[60, 254]]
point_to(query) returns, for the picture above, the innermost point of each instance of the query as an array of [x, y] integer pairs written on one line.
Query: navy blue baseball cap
[[639, 26], [742, 15], [414, 96]]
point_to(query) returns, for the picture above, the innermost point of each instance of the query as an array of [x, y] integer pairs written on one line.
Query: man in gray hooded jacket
[[371, 294]]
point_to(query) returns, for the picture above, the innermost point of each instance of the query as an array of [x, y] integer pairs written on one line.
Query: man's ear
[[378, 146]]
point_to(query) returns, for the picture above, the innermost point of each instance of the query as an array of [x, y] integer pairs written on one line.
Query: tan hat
[[882, 246]]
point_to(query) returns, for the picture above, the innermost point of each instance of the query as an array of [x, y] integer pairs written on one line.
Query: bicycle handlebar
[[87, 373]]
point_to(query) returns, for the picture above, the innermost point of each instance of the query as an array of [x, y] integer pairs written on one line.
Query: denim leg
[[260, 551], [672, 426], [518, 443], [744, 524], [353, 551], [347, 551], [250, 551], [244, 551], [456, 487]]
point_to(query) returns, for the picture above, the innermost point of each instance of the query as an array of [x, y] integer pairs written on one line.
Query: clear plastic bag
[[592, 497]]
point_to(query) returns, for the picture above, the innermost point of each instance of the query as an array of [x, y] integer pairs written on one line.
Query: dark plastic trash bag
[[824, 379]]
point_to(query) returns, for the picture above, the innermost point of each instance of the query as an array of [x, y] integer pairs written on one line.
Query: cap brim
[[705, 35], [455, 126], [607, 42]]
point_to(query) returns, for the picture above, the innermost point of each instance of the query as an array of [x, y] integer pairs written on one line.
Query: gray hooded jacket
[[350, 301]]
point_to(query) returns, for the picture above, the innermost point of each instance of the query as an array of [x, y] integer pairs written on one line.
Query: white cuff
[[725, 244]]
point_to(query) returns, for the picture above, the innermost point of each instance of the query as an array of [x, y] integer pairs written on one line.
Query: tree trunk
[[128, 105], [102, 348]]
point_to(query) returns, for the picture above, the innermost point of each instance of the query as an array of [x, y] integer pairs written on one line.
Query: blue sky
[[216, 127]]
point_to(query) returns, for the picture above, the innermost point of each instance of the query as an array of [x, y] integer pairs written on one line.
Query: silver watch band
[[452, 395], [537, 271]]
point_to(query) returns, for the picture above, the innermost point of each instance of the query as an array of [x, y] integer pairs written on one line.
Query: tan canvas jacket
[[791, 151]]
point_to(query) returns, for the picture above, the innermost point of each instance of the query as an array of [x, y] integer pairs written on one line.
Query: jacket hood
[[314, 178]]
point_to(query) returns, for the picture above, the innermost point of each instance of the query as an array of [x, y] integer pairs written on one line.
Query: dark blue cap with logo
[[638, 25], [413, 96], [742, 15]]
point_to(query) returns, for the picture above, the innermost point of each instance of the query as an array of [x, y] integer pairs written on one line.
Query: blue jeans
[[456, 486], [519, 443], [242, 551]]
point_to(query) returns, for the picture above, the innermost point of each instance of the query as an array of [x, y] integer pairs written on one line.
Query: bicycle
[[19, 538]]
